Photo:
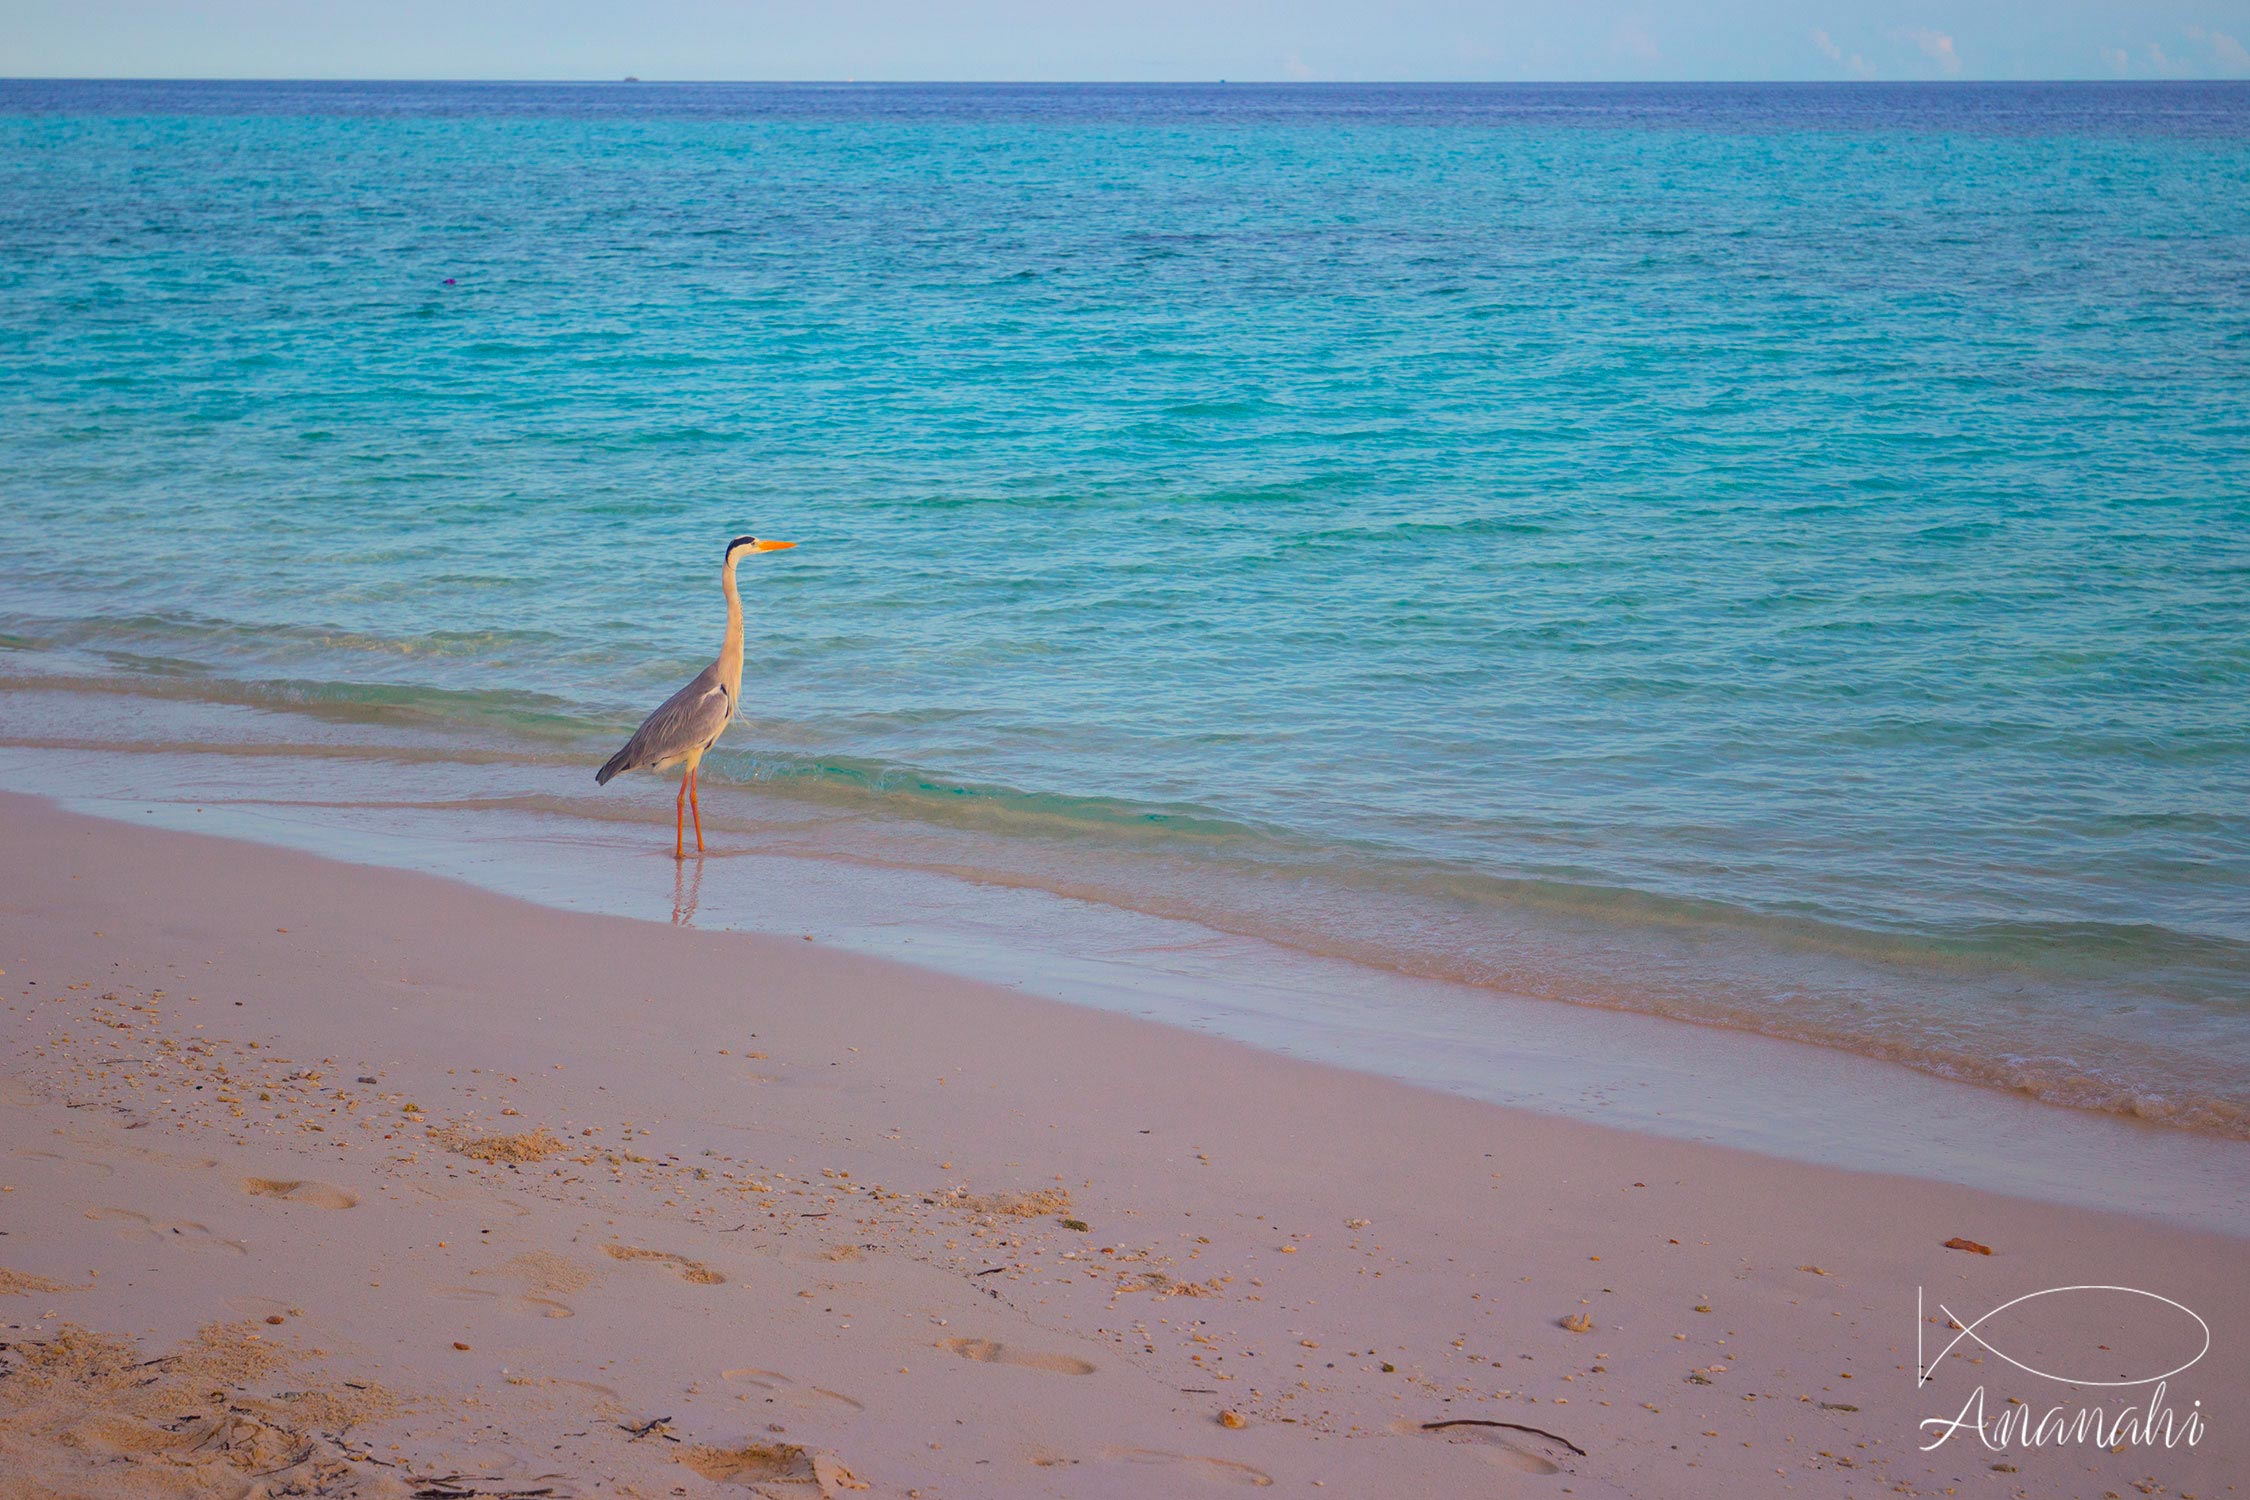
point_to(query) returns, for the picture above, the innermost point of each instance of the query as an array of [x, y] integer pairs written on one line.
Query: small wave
[[532, 715], [2119, 954], [2047, 949], [122, 634]]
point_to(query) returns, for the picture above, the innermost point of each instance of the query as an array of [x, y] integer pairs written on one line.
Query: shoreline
[[1664, 1075], [1340, 1258], [1962, 1016]]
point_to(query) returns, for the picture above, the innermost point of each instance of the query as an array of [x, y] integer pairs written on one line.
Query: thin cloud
[[1297, 68], [2118, 58], [1632, 38], [2228, 51], [1935, 45], [1830, 49]]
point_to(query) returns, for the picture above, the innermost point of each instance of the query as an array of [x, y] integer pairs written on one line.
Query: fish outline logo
[[1925, 1366]]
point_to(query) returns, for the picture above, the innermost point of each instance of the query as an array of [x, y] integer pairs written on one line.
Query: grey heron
[[685, 727]]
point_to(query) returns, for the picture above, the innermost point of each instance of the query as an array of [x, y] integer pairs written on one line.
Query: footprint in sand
[[522, 1302], [773, 1469], [543, 1271], [183, 1232], [300, 1190], [755, 1463], [783, 1388], [1526, 1452], [993, 1352], [539, 1274], [97, 1168], [1213, 1470], [679, 1265]]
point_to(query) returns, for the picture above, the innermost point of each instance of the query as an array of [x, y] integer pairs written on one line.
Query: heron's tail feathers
[[621, 761]]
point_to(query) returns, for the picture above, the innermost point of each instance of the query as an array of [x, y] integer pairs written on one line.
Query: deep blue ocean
[[1773, 555]]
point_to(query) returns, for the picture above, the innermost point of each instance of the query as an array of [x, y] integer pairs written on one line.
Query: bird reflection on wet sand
[[687, 892]]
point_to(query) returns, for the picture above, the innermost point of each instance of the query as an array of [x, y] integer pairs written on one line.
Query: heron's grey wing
[[689, 720]]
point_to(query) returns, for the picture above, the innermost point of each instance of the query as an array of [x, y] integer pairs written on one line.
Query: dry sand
[[323, 1180]]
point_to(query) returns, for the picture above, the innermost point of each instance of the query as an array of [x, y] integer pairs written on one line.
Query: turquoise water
[[1779, 557]]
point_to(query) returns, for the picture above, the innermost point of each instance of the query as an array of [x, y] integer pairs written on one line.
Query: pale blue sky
[[1243, 40]]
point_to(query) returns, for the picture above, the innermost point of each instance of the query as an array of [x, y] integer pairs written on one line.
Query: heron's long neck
[[730, 650]]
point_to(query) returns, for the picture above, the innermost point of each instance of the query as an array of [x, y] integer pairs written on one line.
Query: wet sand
[[327, 1179]]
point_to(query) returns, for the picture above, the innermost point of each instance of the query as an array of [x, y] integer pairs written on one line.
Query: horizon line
[[1280, 83]]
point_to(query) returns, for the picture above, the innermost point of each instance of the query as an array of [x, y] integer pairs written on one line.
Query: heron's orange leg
[[679, 822], [695, 802]]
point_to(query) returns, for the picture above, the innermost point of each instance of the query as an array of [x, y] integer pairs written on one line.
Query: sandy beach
[[322, 1179]]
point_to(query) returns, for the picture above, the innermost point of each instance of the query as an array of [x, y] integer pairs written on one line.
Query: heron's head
[[742, 544]]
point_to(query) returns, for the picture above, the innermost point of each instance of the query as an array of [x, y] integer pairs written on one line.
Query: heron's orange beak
[[765, 546]]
